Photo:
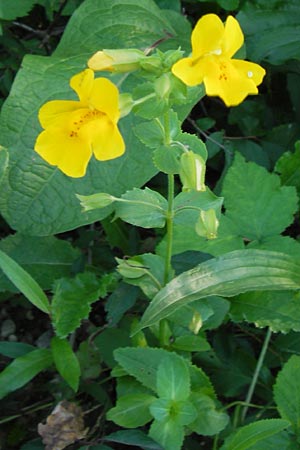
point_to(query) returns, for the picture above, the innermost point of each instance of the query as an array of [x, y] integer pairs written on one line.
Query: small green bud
[[163, 86], [170, 57], [207, 225], [196, 323], [126, 104], [130, 268], [95, 201], [192, 172], [151, 64]]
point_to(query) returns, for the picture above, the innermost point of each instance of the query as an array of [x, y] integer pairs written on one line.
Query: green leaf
[[276, 310], [135, 438], [143, 363], [287, 392], [228, 275], [109, 340], [252, 198], [72, 301], [44, 258], [192, 142], [15, 349], [24, 282], [183, 412], [191, 343], [273, 40], [131, 410], [66, 361], [3, 161], [34, 193], [142, 207], [187, 205], [145, 271], [209, 421], [11, 10], [167, 159], [249, 436], [168, 433], [23, 369], [288, 166], [173, 379]]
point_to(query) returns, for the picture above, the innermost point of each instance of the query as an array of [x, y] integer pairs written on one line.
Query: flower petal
[[82, 83], [249, 69], [233, 37], [207, 35], [227, 82], [105, 98], [56, 111], [189, 72], [70, 154], [107, 141]]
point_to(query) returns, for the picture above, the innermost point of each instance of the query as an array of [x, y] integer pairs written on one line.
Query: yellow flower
[[213, 46], [76, 130]]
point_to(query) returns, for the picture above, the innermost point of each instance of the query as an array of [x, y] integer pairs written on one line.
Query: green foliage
[[203, 205], [249, 437], [72, 299], [231, 274], [44, 258], [24, 282], [65, 361], [23, 369]]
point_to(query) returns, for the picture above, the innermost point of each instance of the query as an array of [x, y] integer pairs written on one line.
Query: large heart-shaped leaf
[[37, 198]]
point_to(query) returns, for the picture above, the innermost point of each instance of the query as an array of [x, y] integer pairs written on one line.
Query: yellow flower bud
[[124, 60]]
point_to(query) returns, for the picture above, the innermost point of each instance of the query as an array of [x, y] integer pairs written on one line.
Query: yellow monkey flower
[[76, 130], [211, 63]]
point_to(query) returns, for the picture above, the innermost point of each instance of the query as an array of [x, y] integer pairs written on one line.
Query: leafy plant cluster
[[168, 312]]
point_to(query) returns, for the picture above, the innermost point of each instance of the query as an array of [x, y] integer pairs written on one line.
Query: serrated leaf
[[209, 421], [24, 282], [287, 392], [167, 159], [276, 310], [66, 361], [182, 412], [250, 435], [187, 205], [72, 301], [34, 193], [142, 207], [273, 40], [288, 166], [143, 363], [44, 258], [23, 369], [231, 274], [11, 10], [192, 142], [132, 410], [173, 379], [167, 433], [253, 198]]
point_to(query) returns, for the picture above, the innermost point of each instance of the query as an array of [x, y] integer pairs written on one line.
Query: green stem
[[169, 223], [256, 373]]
